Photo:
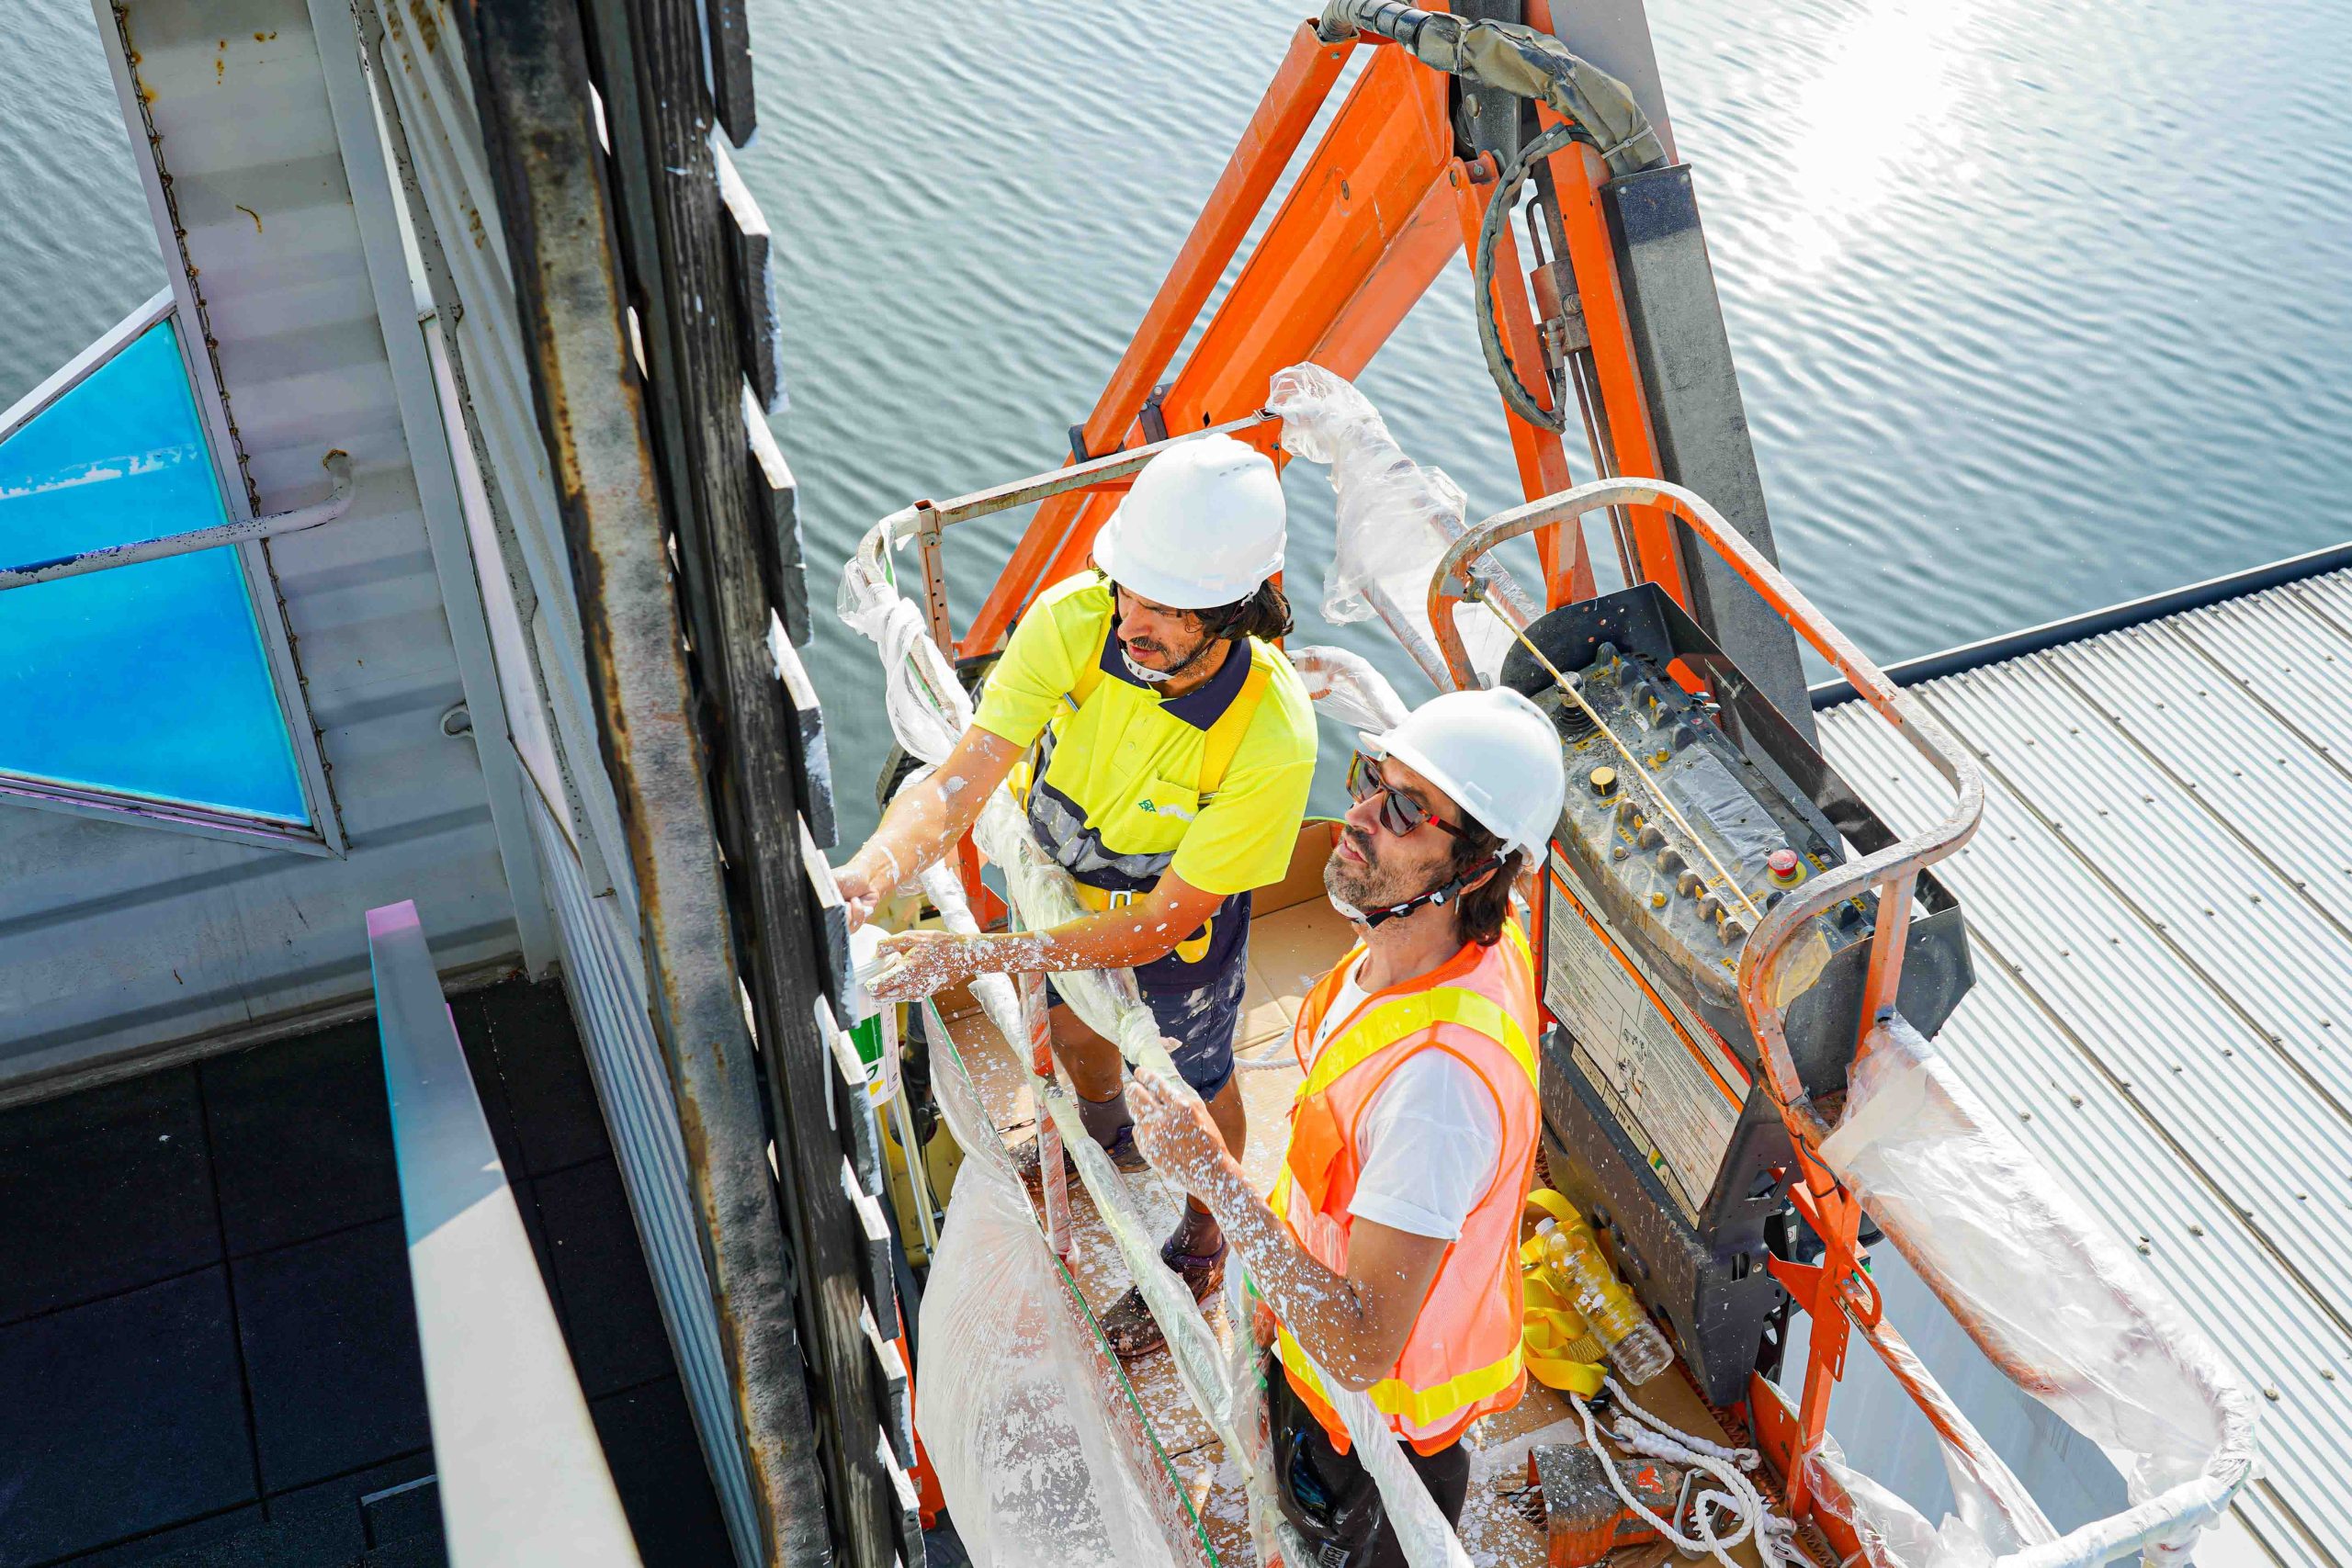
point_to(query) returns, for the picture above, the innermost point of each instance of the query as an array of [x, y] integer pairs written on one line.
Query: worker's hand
[[1174, 1132], [913, 964], [871, 875], [859, 895]]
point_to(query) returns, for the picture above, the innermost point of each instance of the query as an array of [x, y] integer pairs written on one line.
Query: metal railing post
[[522, 1476], [337, 463]]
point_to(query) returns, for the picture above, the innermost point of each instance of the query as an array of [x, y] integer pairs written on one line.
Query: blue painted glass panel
[[147, 680]]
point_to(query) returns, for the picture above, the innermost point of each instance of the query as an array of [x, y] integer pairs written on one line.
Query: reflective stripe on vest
[[1378, 1029], [1472, 1024], [1424, 1407]]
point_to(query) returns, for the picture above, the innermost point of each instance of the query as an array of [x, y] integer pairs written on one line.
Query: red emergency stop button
[[1784, 867]]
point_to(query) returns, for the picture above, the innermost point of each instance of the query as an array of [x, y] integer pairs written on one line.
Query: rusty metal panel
[[676, 251], [426, 97], [573, 299], [2157, 902]]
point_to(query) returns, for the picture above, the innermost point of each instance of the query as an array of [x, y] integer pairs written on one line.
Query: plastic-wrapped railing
[[2098, 1341], [928, 711]]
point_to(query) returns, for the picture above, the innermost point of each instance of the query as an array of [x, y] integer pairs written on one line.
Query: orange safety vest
[[1463, 1356]]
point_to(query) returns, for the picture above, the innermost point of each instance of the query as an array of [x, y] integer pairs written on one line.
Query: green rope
[[1069, 1284], [1150, 1436]]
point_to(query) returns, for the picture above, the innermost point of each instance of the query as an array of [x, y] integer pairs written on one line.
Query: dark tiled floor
[[301, 1138], [105, 1191], [122, 1415], [206, 1332], [330, 1340], [650, 1441], [609, 1314], [525, 1034]]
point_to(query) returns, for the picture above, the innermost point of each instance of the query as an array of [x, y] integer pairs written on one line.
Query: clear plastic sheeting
[[1347, 690], [1031, 1464], [1395, 520], [2054, 1300], [926, 703], [1254, 1450], [1005, 1467], [1891, 1530]]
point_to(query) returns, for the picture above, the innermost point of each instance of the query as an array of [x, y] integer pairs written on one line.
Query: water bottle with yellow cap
[[1579, 1274]]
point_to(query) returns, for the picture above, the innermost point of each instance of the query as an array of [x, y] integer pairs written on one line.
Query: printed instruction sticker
[[1637, 1042]]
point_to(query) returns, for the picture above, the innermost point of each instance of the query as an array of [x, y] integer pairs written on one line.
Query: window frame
[[323, 834]]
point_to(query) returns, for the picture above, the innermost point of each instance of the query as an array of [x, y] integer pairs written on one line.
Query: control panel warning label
[[1640, 1047]]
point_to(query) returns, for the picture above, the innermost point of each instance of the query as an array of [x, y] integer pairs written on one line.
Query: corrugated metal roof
[[2160, 902]]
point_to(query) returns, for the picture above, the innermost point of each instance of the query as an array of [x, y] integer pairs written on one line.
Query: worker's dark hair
[[1265, 615], [1479, 914]]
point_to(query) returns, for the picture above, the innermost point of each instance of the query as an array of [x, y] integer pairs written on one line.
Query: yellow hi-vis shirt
[[1114, 790]]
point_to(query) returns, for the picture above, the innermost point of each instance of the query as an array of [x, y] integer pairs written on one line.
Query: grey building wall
[[124, 944]]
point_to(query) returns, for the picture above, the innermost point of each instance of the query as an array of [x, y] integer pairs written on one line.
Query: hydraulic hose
[[1490, 333], [1391, 20], [1517, 60], [1593, 107]]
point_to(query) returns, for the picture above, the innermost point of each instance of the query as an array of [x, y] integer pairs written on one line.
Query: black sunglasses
[[1399, 812]]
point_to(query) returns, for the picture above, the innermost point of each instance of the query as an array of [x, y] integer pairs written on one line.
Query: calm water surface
[[2035, 308]]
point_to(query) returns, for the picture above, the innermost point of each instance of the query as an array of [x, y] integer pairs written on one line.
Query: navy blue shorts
[[1199, 1005]]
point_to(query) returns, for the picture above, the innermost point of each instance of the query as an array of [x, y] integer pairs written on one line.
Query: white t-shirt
[[1426, 1145]]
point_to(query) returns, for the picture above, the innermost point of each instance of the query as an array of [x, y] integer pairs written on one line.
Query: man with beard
[[1173, 748], [1387, 1250]]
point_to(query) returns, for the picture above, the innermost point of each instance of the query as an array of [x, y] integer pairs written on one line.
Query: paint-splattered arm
[[925, 820], [1135, 933], [1354, 1324]]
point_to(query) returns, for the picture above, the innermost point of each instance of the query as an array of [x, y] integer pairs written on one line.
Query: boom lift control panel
[[1693, 808]]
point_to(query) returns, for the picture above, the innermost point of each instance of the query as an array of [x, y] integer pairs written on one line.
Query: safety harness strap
[[1224, 738]]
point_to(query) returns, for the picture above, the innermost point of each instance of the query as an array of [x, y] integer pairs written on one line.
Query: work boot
[[1122, 1149], [1130, 1330]]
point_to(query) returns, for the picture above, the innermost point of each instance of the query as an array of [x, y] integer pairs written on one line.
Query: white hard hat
[[1495, 752], [1201, 527]]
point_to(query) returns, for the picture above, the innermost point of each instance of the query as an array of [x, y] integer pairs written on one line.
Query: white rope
[[1736, 1497], [1745, 1459]]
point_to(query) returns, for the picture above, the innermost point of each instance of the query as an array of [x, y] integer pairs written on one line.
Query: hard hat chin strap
[[1161, 677], [1373, 919]]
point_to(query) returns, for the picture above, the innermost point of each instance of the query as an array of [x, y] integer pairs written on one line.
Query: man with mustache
[[1387, 1250], [1173, 750]]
